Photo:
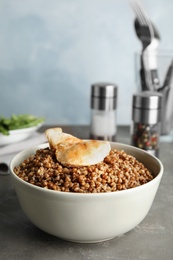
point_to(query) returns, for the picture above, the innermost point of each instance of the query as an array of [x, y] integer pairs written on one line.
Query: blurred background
[[52, 51]]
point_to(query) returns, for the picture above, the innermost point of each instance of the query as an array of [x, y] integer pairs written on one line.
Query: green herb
[[18, 122]]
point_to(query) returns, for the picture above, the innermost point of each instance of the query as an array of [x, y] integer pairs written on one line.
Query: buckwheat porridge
[[117, 171]]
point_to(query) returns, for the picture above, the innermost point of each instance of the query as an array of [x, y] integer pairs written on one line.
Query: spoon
[[4, 169]]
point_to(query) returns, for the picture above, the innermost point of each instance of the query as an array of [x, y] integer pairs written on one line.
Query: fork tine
[[137, 12], [142, 15], [142, 11], [145, 17]]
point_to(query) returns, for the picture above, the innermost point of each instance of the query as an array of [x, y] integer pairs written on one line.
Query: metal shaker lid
[[147, 100], [147, 107], [103, 96]]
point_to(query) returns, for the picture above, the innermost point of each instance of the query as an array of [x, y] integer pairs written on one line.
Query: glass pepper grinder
[[146, 116], [103, 111]]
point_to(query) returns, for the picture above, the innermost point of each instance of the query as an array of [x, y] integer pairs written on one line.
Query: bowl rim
[[74, 194]]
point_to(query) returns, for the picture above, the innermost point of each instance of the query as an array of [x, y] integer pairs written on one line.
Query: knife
[[165, 91], [168, 79]]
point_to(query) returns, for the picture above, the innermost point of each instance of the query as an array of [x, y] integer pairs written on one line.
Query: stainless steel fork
[[143, 24], [145, 32]]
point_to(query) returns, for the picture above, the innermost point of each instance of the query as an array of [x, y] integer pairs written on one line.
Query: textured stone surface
[[151, 239]]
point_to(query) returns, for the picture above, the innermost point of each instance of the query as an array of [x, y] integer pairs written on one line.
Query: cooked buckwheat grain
[[118, 171]]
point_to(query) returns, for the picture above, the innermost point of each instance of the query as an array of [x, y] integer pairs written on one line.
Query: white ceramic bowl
[[91, 217], [18, 134]]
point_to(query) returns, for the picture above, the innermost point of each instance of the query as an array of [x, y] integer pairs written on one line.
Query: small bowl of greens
[[18, 127]]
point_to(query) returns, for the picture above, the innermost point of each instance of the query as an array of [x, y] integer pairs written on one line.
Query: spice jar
[[103, 111], [146, 116]]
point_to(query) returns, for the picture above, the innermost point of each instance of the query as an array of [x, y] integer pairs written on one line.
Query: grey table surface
[[151, 239]]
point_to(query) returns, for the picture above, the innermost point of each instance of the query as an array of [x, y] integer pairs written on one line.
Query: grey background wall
[[51, 52]]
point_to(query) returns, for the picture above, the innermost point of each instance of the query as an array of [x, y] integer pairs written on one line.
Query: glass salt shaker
[[146, 116], [103, 111]]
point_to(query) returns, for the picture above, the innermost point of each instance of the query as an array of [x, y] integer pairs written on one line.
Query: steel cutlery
[[143, 26], [139, 31], [166, 91], [168, 78], [149, 36]]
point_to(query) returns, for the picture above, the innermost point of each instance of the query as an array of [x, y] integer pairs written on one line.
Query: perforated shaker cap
[[103, 96]]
